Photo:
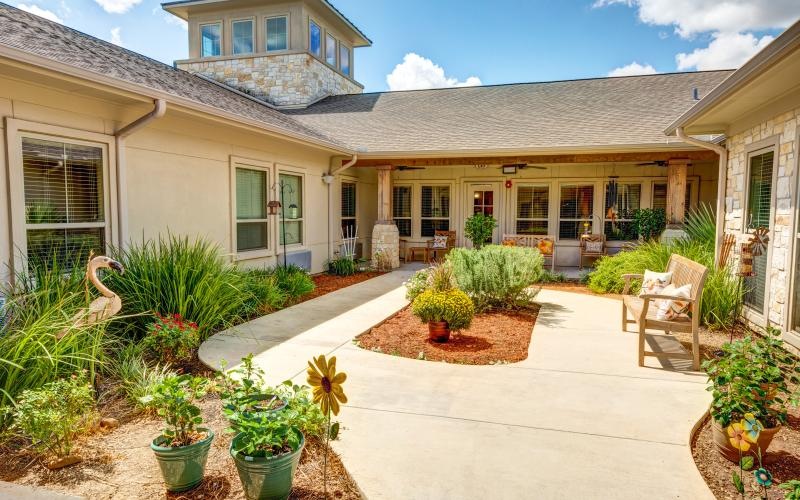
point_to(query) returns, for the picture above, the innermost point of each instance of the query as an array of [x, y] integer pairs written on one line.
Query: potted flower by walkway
[[182, 447], [244, 390], [444, 311]]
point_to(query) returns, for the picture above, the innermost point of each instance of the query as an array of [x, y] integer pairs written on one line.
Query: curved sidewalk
[[577, 419]]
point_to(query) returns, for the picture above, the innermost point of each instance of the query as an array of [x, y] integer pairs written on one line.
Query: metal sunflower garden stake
[[742, 434], [327, 390]]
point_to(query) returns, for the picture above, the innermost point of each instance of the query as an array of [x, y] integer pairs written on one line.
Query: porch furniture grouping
[[546, 244], [588, 241], [429, 252]]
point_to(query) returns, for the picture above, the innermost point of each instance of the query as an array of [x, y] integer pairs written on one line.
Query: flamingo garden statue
[[103, 307]]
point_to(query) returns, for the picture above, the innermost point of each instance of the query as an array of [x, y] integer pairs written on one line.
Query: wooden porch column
[[385, 236], [385, 194], [676, 190]]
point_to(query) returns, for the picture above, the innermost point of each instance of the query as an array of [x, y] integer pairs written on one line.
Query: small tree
[[478, 229]]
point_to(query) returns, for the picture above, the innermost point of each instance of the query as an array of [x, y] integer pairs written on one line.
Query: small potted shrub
[[172, 339], [444, 311], [244, 391], [478, 229], [751, 377], [182, 447]]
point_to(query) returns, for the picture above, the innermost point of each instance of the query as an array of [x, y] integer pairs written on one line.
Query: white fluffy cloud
[[170, 19], [116, 36], [117, 6], [35, 9], [726, 50], [633, 68], [417, 72], [691, 17]]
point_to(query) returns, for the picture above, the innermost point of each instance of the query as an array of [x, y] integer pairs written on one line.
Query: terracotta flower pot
[[439, 331], [723, 444]]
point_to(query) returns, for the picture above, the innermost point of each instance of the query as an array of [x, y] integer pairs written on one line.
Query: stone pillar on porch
[[676, 199], [385, 235]]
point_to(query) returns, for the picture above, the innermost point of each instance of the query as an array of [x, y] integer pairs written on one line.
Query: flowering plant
[[172, 338]]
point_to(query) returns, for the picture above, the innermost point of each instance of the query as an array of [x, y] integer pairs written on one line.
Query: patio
[[578, 418]]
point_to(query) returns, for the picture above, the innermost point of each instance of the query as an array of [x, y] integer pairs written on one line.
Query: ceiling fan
[[403, 168], [657, 163]]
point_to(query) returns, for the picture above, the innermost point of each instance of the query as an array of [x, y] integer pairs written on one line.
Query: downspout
[[328, 179], [159, 109], [722, 180]]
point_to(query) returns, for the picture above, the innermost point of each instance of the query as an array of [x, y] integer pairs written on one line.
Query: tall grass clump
[[177, 275], [294, 281], [136, 375], [496, 276]]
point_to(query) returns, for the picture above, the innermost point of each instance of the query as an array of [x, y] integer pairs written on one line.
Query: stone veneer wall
[[785, 126], [288, 79]]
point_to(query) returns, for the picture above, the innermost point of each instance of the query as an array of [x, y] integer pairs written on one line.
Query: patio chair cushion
[[545, 246], [439, 241], [654, 282], [671, 309], [594, 247]]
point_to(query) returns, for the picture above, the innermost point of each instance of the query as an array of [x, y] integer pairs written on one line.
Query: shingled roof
[[623, 111], [58, 43]]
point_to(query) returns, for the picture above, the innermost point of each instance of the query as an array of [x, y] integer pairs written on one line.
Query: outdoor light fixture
[[509, 169], [273, 207]]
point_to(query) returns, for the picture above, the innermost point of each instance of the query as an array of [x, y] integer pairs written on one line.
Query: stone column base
[[386, 240], [672, 233]]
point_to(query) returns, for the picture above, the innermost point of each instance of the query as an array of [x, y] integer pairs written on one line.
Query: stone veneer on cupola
[[283, 80]]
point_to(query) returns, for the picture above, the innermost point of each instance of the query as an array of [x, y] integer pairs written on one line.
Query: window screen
[[251, 210], [401, 209], [348, 208], [435, 214], [330, 50], [759, 200], [533, 207], [242, 37], [276, 33], [64, 200], [576, 212], [210, 36], [291, 187]]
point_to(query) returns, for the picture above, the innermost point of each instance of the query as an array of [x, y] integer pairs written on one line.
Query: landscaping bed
[[120, 464], [326, 283], [497, 336]]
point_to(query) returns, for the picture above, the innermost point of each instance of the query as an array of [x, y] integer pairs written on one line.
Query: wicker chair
[[432, 254], [585, 238]]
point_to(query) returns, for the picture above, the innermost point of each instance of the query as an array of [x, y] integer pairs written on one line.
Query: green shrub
[[53, 415], [178, 275], [650, 222], [497, 276], [262, 291], [549, 276], [417, 283], [294, 281], [453, 306], [172, 339], [342, 266], [136, 377], [478, 229], [174, 399]]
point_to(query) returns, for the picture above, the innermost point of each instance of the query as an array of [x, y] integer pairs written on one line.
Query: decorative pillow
[[671, 309], [545, 246], [439, 241], [509, 242], [594, 246], [654, 282]]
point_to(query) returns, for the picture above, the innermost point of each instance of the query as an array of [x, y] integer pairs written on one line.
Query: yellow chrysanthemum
[[738, 437], [326, 384]]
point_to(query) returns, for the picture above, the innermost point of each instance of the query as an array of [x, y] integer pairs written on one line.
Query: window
[[277, 38], [291, 193], [660, 196], [64, 197], [622, 200], [533, 209], [349, 209], [314, 39], [344, 59], [242, 37], [401, 209], [435, 209], [330, 50], [252, 225], [759, 205], [210, 36], [577, 213]]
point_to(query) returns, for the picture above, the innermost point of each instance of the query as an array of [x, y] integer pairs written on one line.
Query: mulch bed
[[494, 337], [326, 283], [119, 464]]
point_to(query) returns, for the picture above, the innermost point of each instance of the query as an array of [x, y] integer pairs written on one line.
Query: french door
[[483, 198]]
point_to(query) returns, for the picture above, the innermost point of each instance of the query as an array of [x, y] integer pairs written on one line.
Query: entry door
[[484, 199]]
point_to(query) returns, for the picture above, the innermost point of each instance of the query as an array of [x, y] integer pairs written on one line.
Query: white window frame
[[335, 42], [299, 172], [354, 218], [321, 39], [16, 130], [288, 33], [533, 219], [246, 163], [253, 29], [450, 207], [592, 219], [621, 181], [410, 217], [221, 37]]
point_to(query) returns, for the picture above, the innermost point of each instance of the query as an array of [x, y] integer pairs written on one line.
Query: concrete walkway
[[577, 419]]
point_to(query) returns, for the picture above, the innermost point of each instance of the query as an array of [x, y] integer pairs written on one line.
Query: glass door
[[483, 199]]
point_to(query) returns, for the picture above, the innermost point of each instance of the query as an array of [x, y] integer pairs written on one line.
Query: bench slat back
[[685, 271]]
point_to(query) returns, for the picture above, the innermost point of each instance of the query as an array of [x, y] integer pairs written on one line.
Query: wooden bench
[[532, 241], [684, 271]]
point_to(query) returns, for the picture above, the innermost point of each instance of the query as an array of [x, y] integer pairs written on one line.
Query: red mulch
[[326, 283], [494, 337]]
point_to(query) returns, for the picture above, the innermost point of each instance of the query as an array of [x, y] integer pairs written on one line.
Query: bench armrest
[[656, 296], [628, 278]]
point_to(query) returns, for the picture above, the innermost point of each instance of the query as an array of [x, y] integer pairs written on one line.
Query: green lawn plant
[[172, 339], [342, 266], [54, 414], [175, 401], [452, 306], [478, 229], [792, 488], [293, 281], [137, 376]]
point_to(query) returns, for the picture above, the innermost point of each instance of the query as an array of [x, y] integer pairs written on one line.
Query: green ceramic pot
[[182, 467], [267, 478], [259, 414]]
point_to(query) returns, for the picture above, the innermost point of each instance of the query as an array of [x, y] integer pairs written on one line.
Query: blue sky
[[502, 41]]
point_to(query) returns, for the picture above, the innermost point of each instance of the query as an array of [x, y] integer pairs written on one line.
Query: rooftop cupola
[[287, 53]]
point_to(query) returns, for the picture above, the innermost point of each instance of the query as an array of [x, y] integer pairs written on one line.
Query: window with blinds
[[349, 208], [533, 209], [401, 209], [64, 201], [660, 196], [759, 201], [291, 187], [621, 201], [252, 224], [435, 213], [576, 212]]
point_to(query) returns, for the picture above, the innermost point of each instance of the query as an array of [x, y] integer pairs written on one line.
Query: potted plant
[[478, 229], [243, 390], [182, 447], [751, 378], [266, 451], [444, 311]]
